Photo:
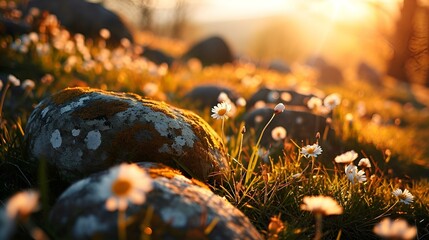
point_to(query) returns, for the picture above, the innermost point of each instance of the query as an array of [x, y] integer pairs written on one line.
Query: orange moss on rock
[[163, 171], [159, 107], [160, 170], [202, 128], [100, 108], [69, 94]]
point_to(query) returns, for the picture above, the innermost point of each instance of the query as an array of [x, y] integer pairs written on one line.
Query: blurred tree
[[426, 49], [410, 44], [146, 9], [401, 40], [180, 19]]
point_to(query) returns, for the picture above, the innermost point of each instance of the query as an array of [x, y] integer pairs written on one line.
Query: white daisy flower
[[365, 163], [311, 150], [346, 157], [22, 204], [278, 133], [221, 110], [223, 97], [131, 185], [403, 196], [331, 101], [314, 103], [354, 175], [395, 229], [321, 204], [105, 33], [241, 102]]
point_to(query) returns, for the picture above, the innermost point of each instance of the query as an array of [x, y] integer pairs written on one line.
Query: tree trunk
[[426, 50], [397, 67]]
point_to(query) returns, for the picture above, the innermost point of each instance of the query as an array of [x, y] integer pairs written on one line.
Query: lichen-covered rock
[[81, 130], [175, 208], [299, 125]]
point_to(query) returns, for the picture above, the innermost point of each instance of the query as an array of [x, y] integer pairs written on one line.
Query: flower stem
[[222, 129], [263, 130], [240, 149], [319, 219], [122, 225], [3, 96], [381, 215], [312, 164], [253, 157]]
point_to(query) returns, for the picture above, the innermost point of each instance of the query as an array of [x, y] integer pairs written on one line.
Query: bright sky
[[333, 27], [219, 10]]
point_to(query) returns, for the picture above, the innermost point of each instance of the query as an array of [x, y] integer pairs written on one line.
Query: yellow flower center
[[402, 197], [221, 112], [311, 150], [121, 187]]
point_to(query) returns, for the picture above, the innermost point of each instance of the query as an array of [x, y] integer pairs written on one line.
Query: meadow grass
[[275, 184]]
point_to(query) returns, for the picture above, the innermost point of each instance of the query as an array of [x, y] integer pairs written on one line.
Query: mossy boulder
[[80, 131], [175, 208]]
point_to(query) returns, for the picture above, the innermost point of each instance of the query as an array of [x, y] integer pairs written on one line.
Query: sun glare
[[342, 10]]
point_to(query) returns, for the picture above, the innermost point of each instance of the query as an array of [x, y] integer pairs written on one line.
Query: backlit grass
[[391, 131]]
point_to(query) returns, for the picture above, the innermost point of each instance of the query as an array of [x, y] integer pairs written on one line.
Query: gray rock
[[289, 97], [279, 66], [87, 18], [182, 209], [206, 96], [299, 125], [327, 73], [157, 56], [81, 130], [210, 51]]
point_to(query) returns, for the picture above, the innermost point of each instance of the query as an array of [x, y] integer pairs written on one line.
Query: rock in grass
[[299, 125], [213, 50], [81, 131], [175, 208], [87, 18], [290, 97], [207, 96]]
